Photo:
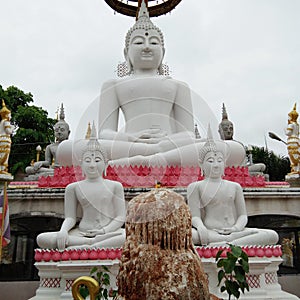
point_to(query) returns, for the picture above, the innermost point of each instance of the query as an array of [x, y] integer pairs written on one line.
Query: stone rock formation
[[159, 260]]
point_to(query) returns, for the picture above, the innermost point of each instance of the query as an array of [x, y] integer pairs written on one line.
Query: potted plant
[[233, 270]]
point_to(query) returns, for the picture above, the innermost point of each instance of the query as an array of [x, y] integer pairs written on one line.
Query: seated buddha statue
[[218, 206], [46, 167], [226, 131], [157, 109], [102, 203]]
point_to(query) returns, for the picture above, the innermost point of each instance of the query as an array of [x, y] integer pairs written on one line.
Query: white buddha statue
[[218, 207], [46, 167], [226, 130], [102, 203], [158, 112]]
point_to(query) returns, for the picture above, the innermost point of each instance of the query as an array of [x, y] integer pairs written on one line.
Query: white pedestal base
[[56, 278], [262, 279]]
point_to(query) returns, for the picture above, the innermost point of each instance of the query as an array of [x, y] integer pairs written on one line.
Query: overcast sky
[[245, 53]]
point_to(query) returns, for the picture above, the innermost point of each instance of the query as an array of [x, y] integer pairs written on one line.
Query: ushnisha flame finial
[[211, 146], [224, 113], [88, 132], [142, 10], [61, 121], [62, 113], [94, 145]]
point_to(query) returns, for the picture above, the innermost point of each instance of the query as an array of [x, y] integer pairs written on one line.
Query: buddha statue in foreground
[[46, 167], [158, 112], [102, 203], [218, 206]]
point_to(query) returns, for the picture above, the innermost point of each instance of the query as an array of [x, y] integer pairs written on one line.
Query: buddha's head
[[61, 127], [94, 158], [226, 126], [5, 112], [144, 44], [212, 157]]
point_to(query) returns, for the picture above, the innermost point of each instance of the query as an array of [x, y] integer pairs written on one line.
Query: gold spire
[[4, 110], [293, 114]]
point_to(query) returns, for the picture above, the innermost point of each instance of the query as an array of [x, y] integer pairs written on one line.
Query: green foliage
[[103, 278], [33, 127], [233, 269], [276, 166]]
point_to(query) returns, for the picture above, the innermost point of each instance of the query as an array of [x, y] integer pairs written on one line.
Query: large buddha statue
[[157, 109], [46, 167], [218, 206], [101, 201]]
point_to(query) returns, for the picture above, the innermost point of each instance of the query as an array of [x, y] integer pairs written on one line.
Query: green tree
[[33, 127], [276, 166]]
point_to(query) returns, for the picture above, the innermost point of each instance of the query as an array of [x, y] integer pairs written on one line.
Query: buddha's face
[[93, 164], [213, 165], [61, 132], [145, 49], [227, 131]]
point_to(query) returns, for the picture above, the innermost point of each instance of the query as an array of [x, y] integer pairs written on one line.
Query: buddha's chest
[[217, 195], [91, 199], [158, 91]]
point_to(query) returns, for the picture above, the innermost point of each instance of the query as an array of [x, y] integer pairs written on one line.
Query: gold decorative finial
[[293, 114], [4, 110]]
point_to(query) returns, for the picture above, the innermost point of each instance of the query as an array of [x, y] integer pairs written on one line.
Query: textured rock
[[159, 260]]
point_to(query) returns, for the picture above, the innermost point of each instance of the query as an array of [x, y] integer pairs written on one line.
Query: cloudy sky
[[245, 53]]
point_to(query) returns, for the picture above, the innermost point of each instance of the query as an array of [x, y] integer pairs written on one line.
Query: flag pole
[[3, 220], [4, 208]]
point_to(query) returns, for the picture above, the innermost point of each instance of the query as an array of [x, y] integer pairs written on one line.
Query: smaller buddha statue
[[6, 129], [293, 142], [101, 201], [46, 167], [218, 206], [226, 130]]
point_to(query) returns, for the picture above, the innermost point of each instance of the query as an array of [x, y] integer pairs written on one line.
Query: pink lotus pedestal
[[58, 270], [262, 277]]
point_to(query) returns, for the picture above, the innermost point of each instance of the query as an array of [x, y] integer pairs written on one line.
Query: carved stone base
[[262, 279], [56, 278]]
